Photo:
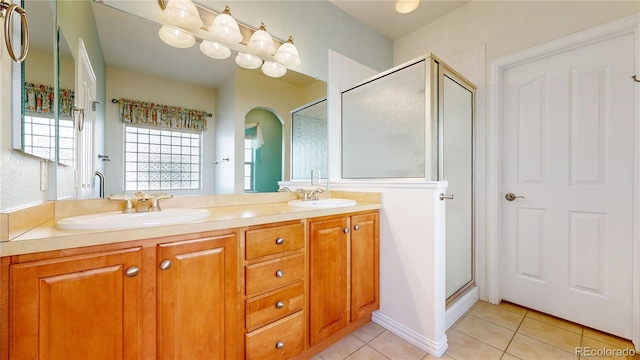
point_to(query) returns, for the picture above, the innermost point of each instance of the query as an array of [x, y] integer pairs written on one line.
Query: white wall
[[123, 84], [479, 32]]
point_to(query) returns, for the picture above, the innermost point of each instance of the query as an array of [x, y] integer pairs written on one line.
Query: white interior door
[[85, 125], [568, 150]]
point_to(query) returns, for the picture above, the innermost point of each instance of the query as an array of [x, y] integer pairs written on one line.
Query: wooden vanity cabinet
[[196, 302], [274, 282], [162, 298], [77, 307], [343, 272]]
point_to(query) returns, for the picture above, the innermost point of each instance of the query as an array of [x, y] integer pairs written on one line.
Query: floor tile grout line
[[516, 331]]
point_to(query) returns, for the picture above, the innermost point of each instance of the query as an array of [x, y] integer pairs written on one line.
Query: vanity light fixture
[[214, 49], [287, 54], [406, 6], [255, 48], [225, 28], [273, 69], [182, 13], [248, 61], [176, 37], [261, 42]]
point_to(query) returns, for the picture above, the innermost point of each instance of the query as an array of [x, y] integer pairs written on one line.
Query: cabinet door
[[365, 265], [197, 299], [78, 307], [327, 278]]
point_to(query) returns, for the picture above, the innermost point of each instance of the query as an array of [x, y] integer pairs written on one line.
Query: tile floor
[[486, 332]]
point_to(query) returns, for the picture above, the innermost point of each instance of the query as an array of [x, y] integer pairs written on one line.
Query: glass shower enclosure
[[415, 122]]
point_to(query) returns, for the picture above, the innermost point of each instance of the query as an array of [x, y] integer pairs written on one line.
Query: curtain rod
[[116, 101]]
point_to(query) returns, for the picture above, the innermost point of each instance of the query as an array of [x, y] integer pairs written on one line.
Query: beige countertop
[[45, 236]]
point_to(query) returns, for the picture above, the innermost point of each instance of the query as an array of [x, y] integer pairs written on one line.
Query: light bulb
[[183, 13], [273, 69], [225, 28], [176, 38], [406, 6], [214, 49], [261, 42], [288, 54], [248, 61]]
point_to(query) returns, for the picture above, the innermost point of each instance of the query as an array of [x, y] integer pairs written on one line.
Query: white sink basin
[[323, 203], [120, 220]]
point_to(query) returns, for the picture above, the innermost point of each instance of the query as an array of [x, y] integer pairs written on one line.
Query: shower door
[[455, 165]]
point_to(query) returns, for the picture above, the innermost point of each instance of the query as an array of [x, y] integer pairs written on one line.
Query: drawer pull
[[279, 305], [357, 227], [279, 345], [279, 274], [166, 265], [346, 230], [279, 241], [132, 271]]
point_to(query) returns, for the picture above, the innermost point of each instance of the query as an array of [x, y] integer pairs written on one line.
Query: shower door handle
[[444, 197]]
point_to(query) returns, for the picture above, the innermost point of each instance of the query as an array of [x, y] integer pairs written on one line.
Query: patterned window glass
[[164, 159]]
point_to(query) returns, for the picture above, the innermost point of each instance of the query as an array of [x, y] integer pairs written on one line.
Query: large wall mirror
[[309, 143], [131, 62]]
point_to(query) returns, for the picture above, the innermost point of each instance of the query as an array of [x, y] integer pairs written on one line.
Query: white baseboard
[[459, 307], [432, 347]]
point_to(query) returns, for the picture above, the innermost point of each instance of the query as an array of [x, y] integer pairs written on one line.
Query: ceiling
[[380, 15], [126, 52]]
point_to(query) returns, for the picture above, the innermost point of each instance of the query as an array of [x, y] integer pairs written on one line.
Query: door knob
[[512, 196]]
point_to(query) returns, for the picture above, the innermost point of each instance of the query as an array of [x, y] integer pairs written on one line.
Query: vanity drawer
[[270, 275], [274, 305], [280, 340], [274, 240]]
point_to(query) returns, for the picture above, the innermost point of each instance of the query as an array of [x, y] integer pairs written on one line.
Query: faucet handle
[[284, 189], [128, 205], [155, 200], [305, 195]]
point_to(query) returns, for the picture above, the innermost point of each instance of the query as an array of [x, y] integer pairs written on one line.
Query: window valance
[[144, 113], [40, 99]]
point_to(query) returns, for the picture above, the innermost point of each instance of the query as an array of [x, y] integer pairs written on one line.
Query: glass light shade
[[273, 69], [406, 6], [215, 50], [225, 28], [287, 54], [261, 42], [176, 38], [183, 13], [248, 61]]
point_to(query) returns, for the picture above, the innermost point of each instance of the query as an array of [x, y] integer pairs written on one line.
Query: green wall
[[268, 158]]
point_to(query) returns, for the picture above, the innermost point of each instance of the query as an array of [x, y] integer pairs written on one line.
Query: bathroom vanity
[[256, 279]]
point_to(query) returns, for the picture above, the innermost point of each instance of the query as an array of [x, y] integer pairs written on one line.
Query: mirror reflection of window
[[249, 162]]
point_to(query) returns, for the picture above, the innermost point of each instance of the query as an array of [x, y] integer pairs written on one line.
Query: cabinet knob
[[165, 265], [279, 305], [279, 345], [279, 273], [132, 271], [346, 230], [357, 227], [279, 241]]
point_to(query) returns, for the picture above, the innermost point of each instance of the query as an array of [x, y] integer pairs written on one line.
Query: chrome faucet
[[128, 205], [305, 195], [313, 195], [155, 200]]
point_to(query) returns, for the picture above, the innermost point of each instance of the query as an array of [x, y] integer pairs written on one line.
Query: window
[[161, 159], [39, 136], [248, 164]]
